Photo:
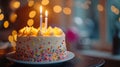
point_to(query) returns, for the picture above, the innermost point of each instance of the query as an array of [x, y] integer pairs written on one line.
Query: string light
[[45, 2], [100, 7], [67, 11], [14, 4], [32, 14], [115, 10], [10, 38], [30, 3], [1, 17], [30, 22], [57, 8], [6, 24], [13, 17]]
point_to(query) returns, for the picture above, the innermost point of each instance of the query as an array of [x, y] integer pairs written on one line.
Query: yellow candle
[[40, 18], [46, 19]]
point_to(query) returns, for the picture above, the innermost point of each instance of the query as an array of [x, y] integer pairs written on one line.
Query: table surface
[[78, 61]]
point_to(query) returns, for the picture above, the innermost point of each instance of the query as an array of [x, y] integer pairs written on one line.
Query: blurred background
[[89, 25]]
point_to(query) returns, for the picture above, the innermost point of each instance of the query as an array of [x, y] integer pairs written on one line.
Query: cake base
[[10, 56]]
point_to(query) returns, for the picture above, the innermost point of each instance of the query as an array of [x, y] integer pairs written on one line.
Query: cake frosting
[[38, 45]]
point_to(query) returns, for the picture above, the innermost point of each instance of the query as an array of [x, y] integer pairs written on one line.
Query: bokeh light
[[10, 38], [6, 24], [15, 4], [32, 14], [30, 22], [57, 8], [100, 7], [45, 2], [13, 17], [14, 34], [78, 20], [115, 10], [1, 16], [31, 3], [67, 10]]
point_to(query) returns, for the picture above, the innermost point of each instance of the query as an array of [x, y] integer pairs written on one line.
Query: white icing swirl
[[31, 31]]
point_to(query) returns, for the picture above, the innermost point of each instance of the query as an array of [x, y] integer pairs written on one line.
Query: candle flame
[[40, 9], [46, 13]]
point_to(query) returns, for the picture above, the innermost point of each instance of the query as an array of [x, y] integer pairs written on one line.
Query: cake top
[[31, 31], [34, 32]]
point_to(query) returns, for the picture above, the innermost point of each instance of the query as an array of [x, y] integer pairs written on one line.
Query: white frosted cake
[[37, 46]]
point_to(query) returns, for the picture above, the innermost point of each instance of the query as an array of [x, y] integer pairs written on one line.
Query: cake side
[[48, 46], [41, 48]]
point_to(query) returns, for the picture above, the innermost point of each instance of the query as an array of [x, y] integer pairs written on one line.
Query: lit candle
[[46, 19], [40, 18]]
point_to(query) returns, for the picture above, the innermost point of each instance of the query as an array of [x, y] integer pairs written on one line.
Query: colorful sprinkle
[[41, 52]]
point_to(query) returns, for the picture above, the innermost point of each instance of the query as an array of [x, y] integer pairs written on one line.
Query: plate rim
[[70, 56]]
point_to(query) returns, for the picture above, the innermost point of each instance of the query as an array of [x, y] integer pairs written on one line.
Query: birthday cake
[[39, 46]]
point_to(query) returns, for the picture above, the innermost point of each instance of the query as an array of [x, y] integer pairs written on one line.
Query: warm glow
[[57, 9], [67, 11], [15, 4], [28, 31], [30, 3], [30, 22], [41, 20], [52, 31], [45, 2], [115, 10], [48, 32], [40, 9], [31, 31], [32, 14], [100, 7], [13, 17], [46, 13], [1, 17], [14, 34], [10, 38], [46, 19], [6, 24], [57, 31]]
